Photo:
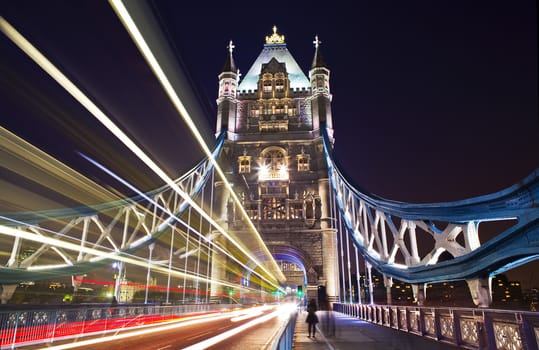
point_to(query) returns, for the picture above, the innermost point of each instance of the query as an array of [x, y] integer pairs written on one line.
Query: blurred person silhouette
[[312, 319], [329, 317]]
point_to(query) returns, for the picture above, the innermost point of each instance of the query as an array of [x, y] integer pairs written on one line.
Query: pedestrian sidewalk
[[351, 334], [301, 332]]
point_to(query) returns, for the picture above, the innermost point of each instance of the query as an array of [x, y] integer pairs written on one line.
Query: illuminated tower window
[[255, 111], [279, 85], [303, 161], [273, 209], [267, 86], [273, 165], [244, 164]]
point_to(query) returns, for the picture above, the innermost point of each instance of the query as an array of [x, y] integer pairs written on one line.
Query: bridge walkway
[[353, 334]]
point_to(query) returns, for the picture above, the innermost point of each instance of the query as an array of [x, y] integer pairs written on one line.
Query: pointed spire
[[229, 65], [318, 60]]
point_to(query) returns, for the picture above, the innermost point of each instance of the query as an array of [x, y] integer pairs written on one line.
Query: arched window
[[266, 86], [273, 164], [303, 164], [304, 161], [244, 164], [279, 85]]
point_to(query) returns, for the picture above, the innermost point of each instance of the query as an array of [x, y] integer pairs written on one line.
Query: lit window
[[303, 161], [267, 86], [273, 165], [273, 209], [279, 85], [244, 164]]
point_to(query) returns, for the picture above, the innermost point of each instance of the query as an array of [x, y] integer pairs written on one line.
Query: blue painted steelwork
[[364, 214]]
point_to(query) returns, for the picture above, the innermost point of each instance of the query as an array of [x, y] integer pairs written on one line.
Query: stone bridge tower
[[273, 155]]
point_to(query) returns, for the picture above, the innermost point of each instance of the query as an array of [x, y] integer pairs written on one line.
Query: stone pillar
[[388, 283], [218, 270], [419, 293], [369, 271], [119, 266], [7, 292], [329, 244], [148, 275], [479, 288], [218, 259], [220, 201], [76, 282]]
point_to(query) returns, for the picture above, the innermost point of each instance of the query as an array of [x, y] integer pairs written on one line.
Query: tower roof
[[229, 65], [318, 60], [275, 47]]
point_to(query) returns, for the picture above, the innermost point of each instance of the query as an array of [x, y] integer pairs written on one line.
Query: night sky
[[432, 100]]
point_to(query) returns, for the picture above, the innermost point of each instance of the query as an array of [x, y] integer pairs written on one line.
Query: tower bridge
[[266, 213]]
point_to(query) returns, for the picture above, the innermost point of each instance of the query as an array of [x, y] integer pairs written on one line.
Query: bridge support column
[[117, 282], [218, 259], [148, 275], [388, 283], [218, 272], [479, 288], [369, 272], [419, 293], [7, 292], [76, 282], [329, 244]]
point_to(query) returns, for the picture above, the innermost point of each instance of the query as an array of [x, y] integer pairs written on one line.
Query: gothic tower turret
[[274, 158], [226, 100], [321, 96]]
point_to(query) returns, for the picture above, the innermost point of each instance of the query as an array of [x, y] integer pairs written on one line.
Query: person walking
[[312, 319]]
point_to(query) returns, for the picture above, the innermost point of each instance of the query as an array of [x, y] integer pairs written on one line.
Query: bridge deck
[[353, 334]]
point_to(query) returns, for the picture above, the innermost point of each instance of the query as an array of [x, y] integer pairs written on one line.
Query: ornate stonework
[[277, 167]]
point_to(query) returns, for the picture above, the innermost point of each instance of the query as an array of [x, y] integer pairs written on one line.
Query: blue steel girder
[[124, 226], [381, 229]]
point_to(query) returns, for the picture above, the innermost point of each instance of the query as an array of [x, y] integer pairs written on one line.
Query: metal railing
[[38, 326], [285, 337], [465, 327]]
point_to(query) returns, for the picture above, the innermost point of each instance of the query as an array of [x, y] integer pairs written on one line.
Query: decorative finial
[[230, 46], [275, 38], [316, 42]]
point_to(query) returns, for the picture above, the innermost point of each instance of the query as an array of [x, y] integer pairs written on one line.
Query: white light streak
[[207, 238], [137, 36], [99, 255], [61, 79], [152, 329], [228, 334]]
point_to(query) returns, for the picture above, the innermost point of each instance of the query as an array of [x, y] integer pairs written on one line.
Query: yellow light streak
[[100, 255], [138, 38], [61, 79], [29, 161]]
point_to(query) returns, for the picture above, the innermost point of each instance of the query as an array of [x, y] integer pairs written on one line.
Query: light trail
[[61, 79], [228, 334], [151, 329], [32, 163], [172, 216], [99, 255], [141, 43]]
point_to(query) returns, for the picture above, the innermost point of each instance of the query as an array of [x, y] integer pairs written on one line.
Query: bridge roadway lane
[[184, 335]]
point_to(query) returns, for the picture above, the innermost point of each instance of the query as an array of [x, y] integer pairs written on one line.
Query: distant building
[[505, 291]]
